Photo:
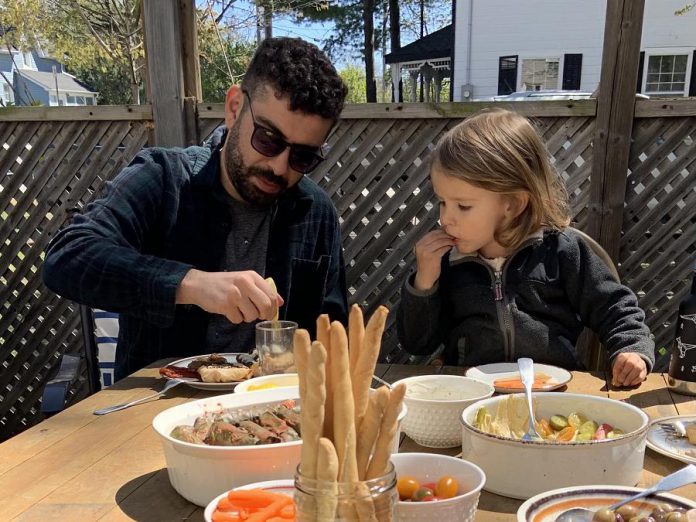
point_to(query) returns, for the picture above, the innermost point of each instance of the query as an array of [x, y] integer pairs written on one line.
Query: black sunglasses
[[302, 158]]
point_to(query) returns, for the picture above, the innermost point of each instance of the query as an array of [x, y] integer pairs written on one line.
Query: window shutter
[[692, 80], [641, 60], [572, 71], [507, 74]]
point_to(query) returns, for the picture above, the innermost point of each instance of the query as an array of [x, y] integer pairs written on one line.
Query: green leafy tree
[[354, 76], [223, 59]]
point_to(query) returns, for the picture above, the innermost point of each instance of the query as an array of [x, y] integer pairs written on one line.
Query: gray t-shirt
[[247, 243]]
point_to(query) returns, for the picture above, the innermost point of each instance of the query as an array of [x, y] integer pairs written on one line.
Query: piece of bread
[[691, 433], [217, 374]]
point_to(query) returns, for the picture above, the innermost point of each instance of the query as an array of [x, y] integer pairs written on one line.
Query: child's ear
[[516, 204]]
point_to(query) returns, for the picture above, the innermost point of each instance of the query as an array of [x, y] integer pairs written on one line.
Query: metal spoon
[[170, 384], [677, 479], [526, 367]]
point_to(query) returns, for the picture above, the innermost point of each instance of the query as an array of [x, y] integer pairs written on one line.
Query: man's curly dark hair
[[300, 71]]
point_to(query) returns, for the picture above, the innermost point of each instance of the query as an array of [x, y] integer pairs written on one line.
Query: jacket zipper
[[504, 316]]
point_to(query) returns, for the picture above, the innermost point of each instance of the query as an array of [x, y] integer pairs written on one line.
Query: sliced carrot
[[253, 497], [269, 511], [225, 504], [226, 516], [288, 511]]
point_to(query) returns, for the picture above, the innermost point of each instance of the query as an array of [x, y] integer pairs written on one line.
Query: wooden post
[[614, 121], [192, 71], [612, 138], [165, 70]]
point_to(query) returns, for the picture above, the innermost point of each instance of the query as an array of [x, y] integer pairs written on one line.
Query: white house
[[28, 78], [502, 46]]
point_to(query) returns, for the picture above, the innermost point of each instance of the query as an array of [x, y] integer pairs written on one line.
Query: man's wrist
[[186, 292]]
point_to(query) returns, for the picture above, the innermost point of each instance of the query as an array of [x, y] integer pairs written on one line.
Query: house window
[[7, 94], [90, 100], [666, 74], [71, 100], [539, 73], [53, 100]]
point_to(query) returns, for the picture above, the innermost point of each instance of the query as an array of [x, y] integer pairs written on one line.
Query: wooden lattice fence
[[376, 173]]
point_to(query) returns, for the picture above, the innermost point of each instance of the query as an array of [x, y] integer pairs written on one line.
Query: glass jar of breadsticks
[[328, 501], [348, 431]]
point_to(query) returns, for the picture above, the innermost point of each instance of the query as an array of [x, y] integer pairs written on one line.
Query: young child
[[503, 277]]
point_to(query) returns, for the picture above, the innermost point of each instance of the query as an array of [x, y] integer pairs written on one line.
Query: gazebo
[[430, 56]]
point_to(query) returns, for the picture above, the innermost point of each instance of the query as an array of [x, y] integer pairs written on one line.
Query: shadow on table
[[151, 497], [498, 504]]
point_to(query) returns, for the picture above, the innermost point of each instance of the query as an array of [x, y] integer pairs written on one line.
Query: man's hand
[[239, 296], [429, 251], [629, 369]]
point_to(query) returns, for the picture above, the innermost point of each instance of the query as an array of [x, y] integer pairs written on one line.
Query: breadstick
[[302, 345], [324, 337], [312, 409], [367, 359], [344, 409], [356, 334], [369, 428], [387, 432], [327, 471]]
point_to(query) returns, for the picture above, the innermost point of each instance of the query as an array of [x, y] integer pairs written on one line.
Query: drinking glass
[[274, 342]]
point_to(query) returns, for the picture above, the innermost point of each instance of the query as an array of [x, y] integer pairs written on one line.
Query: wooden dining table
[[77, 466]]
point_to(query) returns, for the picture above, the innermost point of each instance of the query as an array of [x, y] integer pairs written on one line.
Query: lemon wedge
[[271, 282], [264, 386]]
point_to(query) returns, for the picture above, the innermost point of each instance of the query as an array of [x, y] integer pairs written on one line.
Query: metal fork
[[526, 367], [674, 428], [170, 384]]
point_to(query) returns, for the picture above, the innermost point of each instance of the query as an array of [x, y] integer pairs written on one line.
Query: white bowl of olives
[[592, 440]]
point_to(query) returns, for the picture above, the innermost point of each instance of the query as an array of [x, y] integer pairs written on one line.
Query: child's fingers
[[628, 369]]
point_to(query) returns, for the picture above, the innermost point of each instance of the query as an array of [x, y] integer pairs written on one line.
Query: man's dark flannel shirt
[[128, 252]]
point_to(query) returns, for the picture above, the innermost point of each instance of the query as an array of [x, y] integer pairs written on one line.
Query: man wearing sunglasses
[[183, 239]]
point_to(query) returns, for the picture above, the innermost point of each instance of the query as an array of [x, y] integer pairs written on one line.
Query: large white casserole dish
[[199, 473], [522, 469]]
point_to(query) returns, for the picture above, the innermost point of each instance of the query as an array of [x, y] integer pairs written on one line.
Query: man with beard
[[182, 240]]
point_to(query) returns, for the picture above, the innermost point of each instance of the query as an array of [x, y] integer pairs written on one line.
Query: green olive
[[604, 515], [558, 422], [627, 511], [676, 516]]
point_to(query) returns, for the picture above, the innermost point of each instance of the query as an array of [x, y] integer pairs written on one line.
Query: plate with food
[[672, 442], [546, 506], [505, 377], [213, 372]]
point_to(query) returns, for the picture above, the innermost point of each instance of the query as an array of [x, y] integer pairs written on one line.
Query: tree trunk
[[368, 21], [395, 38]]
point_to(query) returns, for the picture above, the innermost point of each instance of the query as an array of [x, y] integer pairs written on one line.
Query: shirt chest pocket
[[307, 288]]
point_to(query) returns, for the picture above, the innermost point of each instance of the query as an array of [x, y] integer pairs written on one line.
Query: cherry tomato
[[406, 486], [430, 485], [446, 487], [423, 494]]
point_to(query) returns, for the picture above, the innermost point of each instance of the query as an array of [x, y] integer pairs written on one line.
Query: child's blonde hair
[[499, 151]]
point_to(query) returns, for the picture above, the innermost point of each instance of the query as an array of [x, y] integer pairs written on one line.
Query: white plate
[[285, 486], [545, 507], [492, 372], [675, 447], [209, 386]]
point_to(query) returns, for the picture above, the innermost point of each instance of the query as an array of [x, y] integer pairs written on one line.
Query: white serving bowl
[[286, 486], [521, 469], [430, 467], [434, 423], [279, 380], [199, 472]]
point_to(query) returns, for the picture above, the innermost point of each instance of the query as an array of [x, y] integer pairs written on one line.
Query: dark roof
[[435, 45]]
